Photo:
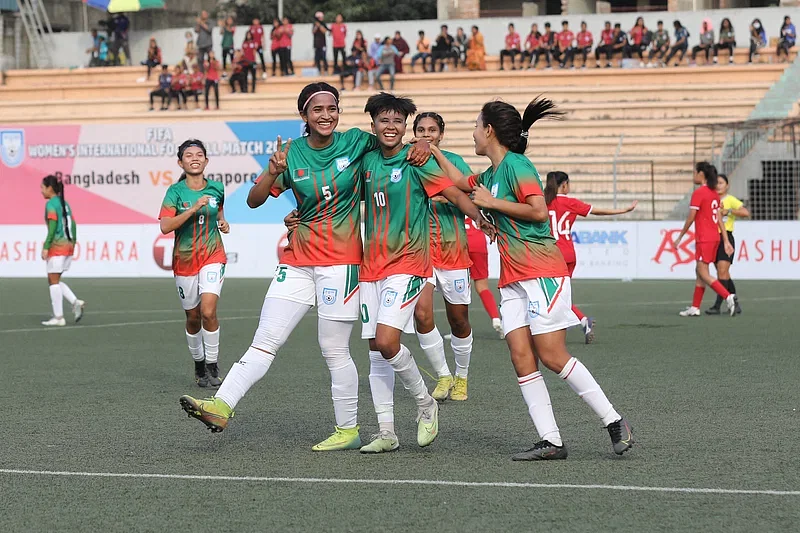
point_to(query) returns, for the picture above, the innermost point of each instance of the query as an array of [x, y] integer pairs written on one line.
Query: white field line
[[428, 482]]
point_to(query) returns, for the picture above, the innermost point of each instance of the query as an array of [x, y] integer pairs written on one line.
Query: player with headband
[[319, 266]]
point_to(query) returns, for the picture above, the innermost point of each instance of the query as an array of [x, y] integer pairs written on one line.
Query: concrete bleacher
[[652, 109]]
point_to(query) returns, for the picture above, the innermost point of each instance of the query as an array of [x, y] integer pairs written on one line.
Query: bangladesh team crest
[[533, 309], [389, 298], [460, 285], [211, 277], [329, 296], [12, 147], [494, 190], [396, 175], [342, 163], [212, 202]]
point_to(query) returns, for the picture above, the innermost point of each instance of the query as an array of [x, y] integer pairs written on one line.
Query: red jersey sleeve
[[279, 186], [527, 186], [581, 208], [432, 179], [474, 180], [697, 199]]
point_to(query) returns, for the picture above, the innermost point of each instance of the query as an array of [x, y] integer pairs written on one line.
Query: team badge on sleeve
[[533, 309], [397, 175], [12, 147], [460, 285], [389, 298], [329, 296]]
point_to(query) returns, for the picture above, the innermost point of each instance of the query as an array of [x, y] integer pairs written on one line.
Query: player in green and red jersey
[[451, 263], [192, 208], [397, 263], [534, 283], [58, 249], [319, 266]]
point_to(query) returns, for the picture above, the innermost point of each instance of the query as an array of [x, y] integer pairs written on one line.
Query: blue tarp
[[8, 5]]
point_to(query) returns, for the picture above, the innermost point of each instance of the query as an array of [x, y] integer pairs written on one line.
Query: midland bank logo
[[682, 255], [162, 250]]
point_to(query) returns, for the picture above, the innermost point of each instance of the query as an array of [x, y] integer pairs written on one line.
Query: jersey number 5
[[560, 226]]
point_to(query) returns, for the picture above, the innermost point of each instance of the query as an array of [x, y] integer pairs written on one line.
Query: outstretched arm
[[455, 175], [609, 212]]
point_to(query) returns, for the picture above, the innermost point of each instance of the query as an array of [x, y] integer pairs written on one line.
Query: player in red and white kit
[[479, 272], [705, 213], [563, 213]]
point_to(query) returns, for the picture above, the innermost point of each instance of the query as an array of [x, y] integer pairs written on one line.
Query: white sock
[[195, 343], [462, 349], [334, 340], [56, 301], [406, 369], [67, 292], [381, 385], [244, 374], [537, 398], [582, 382], [211, 344], [433, 346]]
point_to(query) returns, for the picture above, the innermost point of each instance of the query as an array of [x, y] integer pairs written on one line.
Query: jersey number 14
[[560, 226]]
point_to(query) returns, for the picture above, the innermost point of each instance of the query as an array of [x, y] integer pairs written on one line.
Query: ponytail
[[510, 128], [55, 183], [554, 180], [709, 173]]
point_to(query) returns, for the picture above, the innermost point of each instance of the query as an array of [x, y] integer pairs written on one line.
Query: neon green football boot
[[428, 425], [212, 412], [459, 392], [342, 439], [443, 387]]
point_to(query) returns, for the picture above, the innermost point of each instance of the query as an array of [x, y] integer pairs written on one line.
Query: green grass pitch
[[713, 402]]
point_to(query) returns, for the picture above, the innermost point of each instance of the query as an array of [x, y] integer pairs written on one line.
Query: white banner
[[605, 250]]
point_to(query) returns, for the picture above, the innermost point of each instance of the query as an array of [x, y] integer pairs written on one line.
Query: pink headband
[[317, 94]]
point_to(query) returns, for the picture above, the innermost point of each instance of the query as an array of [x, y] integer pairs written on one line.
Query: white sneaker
[[264, 76], [55, 322], [497, 324], [690, 311], [383, 442], [77, 309], [731, 302]]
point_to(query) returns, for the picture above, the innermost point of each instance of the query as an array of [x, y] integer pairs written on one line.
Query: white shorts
[[453, 284], [58, 264], [334, 289], [543, 304], [209, 279], [390, 302]]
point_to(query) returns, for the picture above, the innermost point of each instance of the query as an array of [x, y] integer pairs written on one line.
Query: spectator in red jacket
[[585, 40], [194, 86], [286, 44], [339, 36], [565, 52], [275, 46], [179, 83], [531, 46], [212, 78], [402, 48], [639, 38], [257, 34], [512, 49], [606, 46], [546, 44], [240, 69], [249, 50]]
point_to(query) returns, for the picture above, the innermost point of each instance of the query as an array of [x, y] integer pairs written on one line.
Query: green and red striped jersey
[[198, 242], [60, 244], [328, 191], [448, 231], [397, 238], [527, 249]]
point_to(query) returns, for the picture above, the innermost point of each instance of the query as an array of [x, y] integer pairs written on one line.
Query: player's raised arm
[[278, 164], [456, 176]]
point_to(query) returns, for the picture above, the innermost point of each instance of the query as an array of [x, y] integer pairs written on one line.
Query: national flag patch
[[186, 205], [368, 175], [301, 174]]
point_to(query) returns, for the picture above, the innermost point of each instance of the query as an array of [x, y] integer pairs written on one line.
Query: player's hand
[[292, 220], [44, 253], [278, 163], [223, 226], [199, 204], [439, 199], [482, 197], [488, 229], [633, 206], [419, 153], [677, 243], [728, 248]]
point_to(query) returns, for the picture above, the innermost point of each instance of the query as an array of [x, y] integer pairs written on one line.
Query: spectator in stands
[[375, 47], [164, 84], [620, 45], [359, 44], [727, 40], [249, 50], [94, 50], [530, 47], [787, 39], [442, 50], [179, 83], [660, 44], [585, 41], [275, 46], [194, 87], [369, 66], [758, 38], [606, 46], [476, 51], [102, 53], [286, 44], [639, 40], [546, 44], [512, 49], [681, 43], [386, 57], [203, 31], [349, 69], [189, 52], [153, 56], [706, 41], [565, 51], [339, 34], [212, 78], [121, 26], [460, 46], [239, 75], [257, 31], [227, 28], [402, 49], [320, 31], [423, 51]]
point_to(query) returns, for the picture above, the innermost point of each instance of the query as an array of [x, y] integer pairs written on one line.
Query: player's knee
[[387, 346], [423, 318], [208, 313], [460, 327], [267, 340]]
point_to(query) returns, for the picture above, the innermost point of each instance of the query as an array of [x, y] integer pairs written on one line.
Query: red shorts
[[571, 268], [706, 251], [480, 265]]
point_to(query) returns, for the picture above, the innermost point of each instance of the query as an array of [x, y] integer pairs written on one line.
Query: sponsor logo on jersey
[[329, 296], [368, 176], [342, 163], [212, 202], [396, 175], [533, 309], [494, 189], [460, 285], [301, 174], [12, 147], [389, 298]]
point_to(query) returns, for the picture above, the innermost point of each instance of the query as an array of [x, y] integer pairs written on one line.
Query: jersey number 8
[[201, 219]]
